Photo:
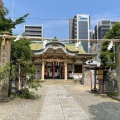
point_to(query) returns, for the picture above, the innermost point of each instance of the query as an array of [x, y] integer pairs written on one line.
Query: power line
[[65, 18]]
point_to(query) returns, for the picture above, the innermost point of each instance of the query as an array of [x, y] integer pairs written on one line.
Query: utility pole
[[12, 9]]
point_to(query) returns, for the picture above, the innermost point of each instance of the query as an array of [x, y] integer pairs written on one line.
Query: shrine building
[[59, 60]]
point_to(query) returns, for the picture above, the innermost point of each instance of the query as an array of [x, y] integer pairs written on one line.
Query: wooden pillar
[[73, 68], [53, 72], [43, 69], [65, 64]]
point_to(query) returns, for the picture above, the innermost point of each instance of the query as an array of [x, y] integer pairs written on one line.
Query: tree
[[21, 56], [107, 57], [6, 24], [20, 65]]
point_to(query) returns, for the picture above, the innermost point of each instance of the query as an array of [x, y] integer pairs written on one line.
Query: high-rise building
[[100, 31], [33, 31], [102, 28], [92, 32], [79, 27]]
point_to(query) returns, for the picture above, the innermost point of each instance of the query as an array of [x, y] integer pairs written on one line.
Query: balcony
[[29, 33], [33, 29]]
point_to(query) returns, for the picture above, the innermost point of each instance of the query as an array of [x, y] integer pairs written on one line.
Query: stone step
[[61, 82]]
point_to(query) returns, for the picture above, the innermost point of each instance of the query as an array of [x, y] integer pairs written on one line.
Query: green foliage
[[6, 24], [20, 51], [4, 72], [107, 56], [34, 83], [114, 32], [21, 56], [113, 94], [26, 94]]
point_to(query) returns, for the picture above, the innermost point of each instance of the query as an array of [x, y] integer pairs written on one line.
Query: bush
[[26, 94]]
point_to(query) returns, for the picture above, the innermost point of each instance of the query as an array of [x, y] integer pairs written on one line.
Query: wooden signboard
[[99, 75]]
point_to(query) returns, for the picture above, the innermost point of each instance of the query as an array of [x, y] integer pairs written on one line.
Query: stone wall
[[86, 80], [110, 81]]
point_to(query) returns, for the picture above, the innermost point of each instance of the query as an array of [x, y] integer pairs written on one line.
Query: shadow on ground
[[105, 111]]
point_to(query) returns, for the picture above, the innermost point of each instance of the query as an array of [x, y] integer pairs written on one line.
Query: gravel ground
[[22, 109], [98, 107]]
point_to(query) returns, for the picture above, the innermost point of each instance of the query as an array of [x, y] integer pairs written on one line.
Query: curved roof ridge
[[82, 49], [36, 46]]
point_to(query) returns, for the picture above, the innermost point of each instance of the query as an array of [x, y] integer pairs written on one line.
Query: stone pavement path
[[60, 105]]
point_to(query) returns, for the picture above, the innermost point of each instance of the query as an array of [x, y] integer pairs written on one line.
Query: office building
[[92, 32], [79, 27], [102, 28], [100, 31], [33, 31]]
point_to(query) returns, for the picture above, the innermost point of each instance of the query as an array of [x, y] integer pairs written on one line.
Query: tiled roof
[[71, 47], [35, 46]]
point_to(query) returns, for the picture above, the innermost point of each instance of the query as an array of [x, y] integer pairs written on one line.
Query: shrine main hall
[[59, 60]]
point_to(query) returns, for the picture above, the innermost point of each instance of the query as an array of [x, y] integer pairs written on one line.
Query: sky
[[54, 15]]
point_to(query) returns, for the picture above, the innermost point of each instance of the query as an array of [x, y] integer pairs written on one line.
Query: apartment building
[[33, 31]]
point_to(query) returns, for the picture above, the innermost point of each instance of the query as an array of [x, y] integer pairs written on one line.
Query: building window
[[77, 68]]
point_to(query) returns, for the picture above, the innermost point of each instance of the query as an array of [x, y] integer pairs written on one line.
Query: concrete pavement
[[60, 105]]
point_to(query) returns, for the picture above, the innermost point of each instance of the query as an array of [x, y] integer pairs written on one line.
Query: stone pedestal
[[4, 59]]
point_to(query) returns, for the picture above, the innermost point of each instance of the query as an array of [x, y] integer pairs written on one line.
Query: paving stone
[[53, 110], [63, 103], [76, 116], [51, 117], [72, 110]]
